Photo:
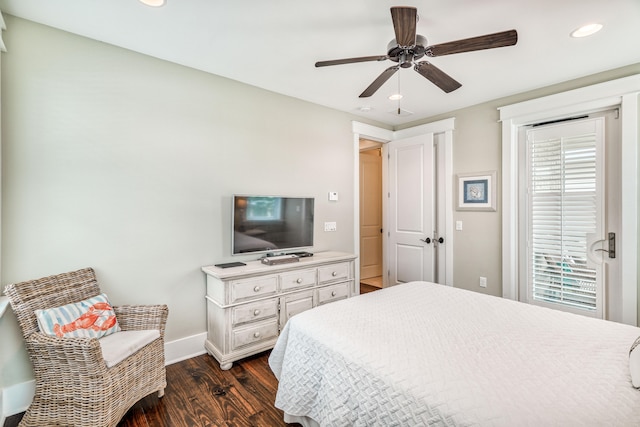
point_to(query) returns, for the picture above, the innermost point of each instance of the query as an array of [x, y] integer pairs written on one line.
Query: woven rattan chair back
[[49, 292]]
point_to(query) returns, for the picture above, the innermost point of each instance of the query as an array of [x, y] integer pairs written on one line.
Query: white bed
[[425, 354]]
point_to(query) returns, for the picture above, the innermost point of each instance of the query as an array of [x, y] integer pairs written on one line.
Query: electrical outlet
[[330, 226], [483, 282]]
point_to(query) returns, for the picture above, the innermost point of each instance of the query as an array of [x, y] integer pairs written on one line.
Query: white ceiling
[[274, 44]]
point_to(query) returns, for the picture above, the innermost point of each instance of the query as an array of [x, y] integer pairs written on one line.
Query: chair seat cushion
[[117, 347], [90, 318]]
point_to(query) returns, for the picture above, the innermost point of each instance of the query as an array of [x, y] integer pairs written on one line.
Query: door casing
[[443, 129], [621, 93]]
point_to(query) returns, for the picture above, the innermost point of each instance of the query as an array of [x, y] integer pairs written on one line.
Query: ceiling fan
[[408, 47]]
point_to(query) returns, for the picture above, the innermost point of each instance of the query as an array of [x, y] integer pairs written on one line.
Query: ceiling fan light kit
[[408, 47], [586, 30], [153, 3]]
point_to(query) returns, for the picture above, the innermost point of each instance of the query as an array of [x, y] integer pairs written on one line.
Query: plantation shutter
[[563, 212]]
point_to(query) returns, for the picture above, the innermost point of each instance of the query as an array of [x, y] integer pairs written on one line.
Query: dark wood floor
[[364, 288], [199, 393]]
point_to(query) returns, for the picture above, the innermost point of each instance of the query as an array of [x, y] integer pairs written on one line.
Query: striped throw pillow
[[91, 318]]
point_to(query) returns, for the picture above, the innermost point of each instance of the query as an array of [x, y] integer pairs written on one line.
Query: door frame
[[445, 175], [621, 93]]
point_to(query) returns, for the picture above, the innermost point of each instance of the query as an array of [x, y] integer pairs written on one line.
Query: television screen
[[271, 224]]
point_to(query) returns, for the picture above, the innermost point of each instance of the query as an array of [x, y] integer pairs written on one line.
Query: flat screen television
[[271, 224]]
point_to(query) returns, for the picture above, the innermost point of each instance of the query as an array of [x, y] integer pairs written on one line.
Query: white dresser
[[247, 306]]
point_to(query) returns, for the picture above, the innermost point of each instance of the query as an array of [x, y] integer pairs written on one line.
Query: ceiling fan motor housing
[[406, 56]]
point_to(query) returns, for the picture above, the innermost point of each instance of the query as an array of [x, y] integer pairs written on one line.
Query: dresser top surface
[[257, 267]]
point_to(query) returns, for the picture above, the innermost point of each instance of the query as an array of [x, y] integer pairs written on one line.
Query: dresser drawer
[[253, 288], [333, 292], [254, 311], [299, 278], [334, 272], [254, 334]]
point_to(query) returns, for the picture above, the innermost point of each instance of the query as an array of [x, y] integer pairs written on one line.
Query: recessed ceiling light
[[586, 30], [364, 109], [153, 3], [395, 97]]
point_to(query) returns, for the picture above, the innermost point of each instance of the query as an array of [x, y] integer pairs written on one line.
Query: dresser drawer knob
[[257, 289], [299, 281], [333, 293], [256, 312], [256, 334], [334, 274]]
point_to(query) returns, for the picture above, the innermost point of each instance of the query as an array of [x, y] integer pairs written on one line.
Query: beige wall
[[477, 144], [126, 163]]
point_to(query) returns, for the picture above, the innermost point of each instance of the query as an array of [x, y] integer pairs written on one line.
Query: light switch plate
[[330, 226]]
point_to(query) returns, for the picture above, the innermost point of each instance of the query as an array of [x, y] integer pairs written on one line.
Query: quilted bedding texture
[[429, 355]]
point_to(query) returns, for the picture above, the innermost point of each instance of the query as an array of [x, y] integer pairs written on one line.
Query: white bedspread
[[426, 354]]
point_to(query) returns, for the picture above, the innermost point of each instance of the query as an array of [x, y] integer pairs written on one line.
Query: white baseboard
[[184, 348], [17, 398]]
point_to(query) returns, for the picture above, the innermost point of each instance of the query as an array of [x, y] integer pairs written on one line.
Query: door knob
[[427, 240], [441, 240]]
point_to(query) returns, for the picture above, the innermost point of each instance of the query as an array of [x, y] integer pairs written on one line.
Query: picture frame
[[476, 191]]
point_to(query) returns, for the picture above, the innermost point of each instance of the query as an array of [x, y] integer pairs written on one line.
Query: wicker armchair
[[74, 386]]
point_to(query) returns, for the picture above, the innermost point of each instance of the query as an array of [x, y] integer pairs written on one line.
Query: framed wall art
[[477, 191]]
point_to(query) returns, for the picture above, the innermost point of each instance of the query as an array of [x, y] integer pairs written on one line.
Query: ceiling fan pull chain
[[399, 94]]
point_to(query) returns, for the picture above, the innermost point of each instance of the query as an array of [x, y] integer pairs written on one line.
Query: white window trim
[[621, 93]]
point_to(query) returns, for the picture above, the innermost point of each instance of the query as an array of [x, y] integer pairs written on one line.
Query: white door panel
[[410, 263], [411, 202]]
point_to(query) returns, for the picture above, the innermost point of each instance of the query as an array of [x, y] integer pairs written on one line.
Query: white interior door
[[411, 209]]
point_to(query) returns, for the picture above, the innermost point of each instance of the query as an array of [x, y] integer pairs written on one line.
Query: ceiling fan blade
[[351, 60], [382, 78], [437, 76], [488, 41], [404, 23]]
